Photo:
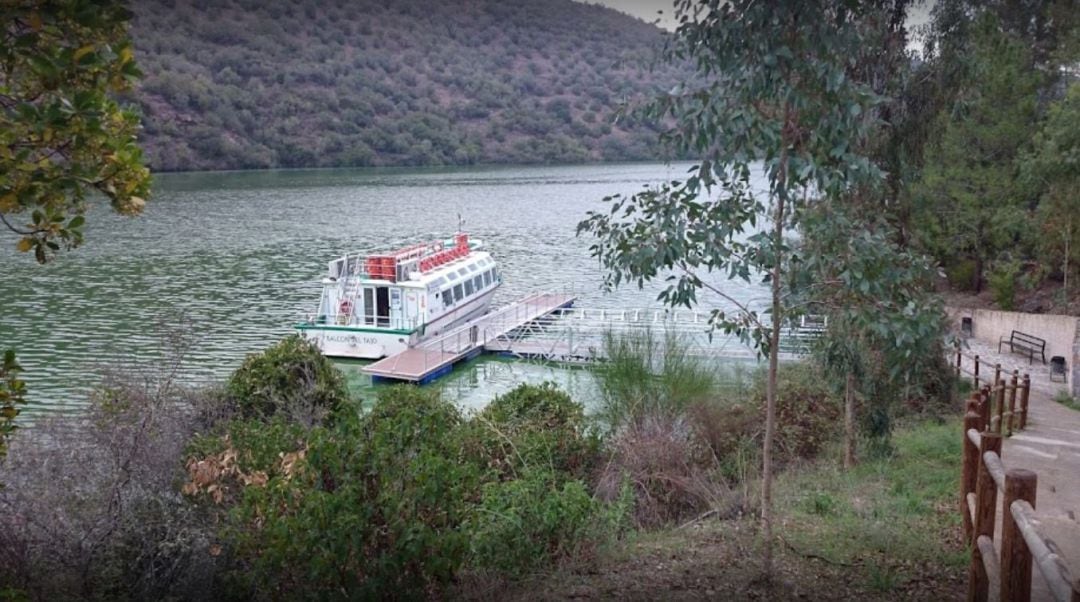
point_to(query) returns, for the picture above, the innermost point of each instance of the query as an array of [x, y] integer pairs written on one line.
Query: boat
[[378, 304]]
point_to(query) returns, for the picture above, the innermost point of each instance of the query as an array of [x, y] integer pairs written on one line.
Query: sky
[[645, 10]]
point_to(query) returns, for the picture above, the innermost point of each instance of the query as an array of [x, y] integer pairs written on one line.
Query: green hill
[[246, 84]]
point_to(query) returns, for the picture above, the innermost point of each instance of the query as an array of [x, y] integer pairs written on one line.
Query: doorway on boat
[[382, 306], [377, 306]]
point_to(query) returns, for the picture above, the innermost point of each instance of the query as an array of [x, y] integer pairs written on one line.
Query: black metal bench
[[1025, 343]]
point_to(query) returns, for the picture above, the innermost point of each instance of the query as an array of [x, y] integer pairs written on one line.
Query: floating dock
[[436, 357]]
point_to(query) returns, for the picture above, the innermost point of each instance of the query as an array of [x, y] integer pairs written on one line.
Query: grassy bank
[[886, 530]]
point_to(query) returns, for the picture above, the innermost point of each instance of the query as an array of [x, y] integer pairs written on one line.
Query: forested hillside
[[250, 83]]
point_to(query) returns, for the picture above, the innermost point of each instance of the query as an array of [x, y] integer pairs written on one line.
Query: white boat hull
[[374, 343]]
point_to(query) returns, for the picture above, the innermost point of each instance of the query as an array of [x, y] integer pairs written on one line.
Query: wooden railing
[[999, 413], [1005, 577]]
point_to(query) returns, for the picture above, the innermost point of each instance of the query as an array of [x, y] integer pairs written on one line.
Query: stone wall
[[1062, 333]]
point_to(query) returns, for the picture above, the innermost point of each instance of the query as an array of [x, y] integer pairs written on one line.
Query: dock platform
[[434, 358]]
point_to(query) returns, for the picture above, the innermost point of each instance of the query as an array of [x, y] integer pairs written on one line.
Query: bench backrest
[[1028, 339]]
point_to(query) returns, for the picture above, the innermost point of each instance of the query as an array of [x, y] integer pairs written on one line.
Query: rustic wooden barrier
[[1005, 576], [1009, 398]]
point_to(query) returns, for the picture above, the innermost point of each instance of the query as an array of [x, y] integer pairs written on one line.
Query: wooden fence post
[[1000, 407], [984, 408], [959, 357], [1020, 484], [976, 371], [1024, 401], [985, 509], [1013, 382], [997, 374], [969, 471]]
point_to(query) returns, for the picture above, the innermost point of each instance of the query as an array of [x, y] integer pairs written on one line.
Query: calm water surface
[[234, 259]]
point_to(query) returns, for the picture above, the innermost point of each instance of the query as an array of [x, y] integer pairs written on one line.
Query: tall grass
[[646, 376]]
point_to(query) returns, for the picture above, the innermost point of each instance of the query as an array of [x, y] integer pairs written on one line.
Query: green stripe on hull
[[351, 328]]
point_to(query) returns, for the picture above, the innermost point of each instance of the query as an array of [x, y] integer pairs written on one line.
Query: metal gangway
[[546, 326], [577, 335], [435, 357]]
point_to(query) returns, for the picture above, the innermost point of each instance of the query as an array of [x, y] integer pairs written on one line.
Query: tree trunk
[[849, 422], [774, 364], [1065, 268], [978, 280]]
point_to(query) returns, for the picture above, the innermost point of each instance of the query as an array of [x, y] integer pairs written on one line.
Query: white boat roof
[[456, 270], [476, 262]]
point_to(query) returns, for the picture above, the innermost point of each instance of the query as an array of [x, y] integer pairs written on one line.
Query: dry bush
[[671, 470], [89, 506]]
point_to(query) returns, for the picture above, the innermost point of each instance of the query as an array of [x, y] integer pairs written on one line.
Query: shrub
[[670, 470], [375, 505], [89, 510], [642, 376], [523, 523], [729, 429], [808, 412], [533, 426], [961, 274], [292, 379], [1003, 284]]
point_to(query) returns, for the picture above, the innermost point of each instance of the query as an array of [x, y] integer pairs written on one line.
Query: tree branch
[[742, 307], [16, 230]]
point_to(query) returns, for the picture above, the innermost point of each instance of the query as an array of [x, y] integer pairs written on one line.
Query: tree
[[770, 85], [971, 201], [1053, 166], [883, 339], [883, 319], [63, 135]]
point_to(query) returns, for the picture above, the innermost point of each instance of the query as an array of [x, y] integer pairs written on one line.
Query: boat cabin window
[[457, 292], [472, 267], [451, 275], [487, 278], [468, 288], [463, 272], [478, 283], [447, 298]]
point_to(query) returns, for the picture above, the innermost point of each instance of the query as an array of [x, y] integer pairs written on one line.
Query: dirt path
[[1049, 446]]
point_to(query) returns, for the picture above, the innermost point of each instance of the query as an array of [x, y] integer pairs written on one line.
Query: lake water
[[233, 259]]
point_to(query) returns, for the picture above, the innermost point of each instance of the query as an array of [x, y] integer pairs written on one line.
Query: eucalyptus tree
[[884, 321], [770, 85]]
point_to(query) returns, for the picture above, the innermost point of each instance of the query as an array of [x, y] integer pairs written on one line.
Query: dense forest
[[234, 84], [991, 128]]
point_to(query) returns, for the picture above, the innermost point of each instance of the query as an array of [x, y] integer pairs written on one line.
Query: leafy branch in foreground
[[12, 395], [63, 135]]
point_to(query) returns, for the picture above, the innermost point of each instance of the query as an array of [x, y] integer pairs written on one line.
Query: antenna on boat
[[460, 223]]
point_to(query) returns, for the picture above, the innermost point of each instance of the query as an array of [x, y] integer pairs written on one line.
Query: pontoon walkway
[[434, 358]]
